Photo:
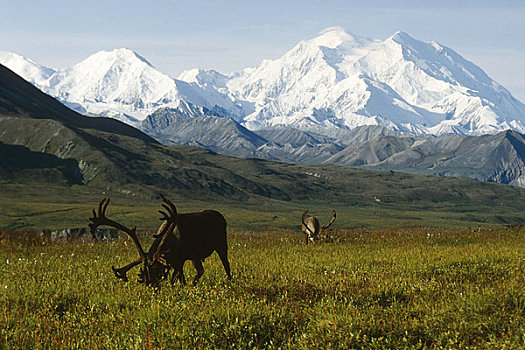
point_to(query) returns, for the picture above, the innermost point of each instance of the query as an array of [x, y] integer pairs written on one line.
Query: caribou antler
[[170, 221], [330, 223], [99, 218], [121, 272], [310, 226], [305, 215]]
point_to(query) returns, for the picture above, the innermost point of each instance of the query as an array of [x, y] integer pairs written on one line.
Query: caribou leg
[[178, 274], [200, 270], [121, 272], [223, 254]]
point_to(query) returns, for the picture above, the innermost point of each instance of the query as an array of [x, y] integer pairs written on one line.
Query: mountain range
[[43, 142], [495, 158], [335, 81], [398, 104]]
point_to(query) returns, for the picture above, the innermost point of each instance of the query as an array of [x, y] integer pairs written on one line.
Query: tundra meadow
[[415, 287], [262, 110]]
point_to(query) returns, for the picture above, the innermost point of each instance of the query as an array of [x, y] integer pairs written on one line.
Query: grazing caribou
[[311, 228], [180, 237]]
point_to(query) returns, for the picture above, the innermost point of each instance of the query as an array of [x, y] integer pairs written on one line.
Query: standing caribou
[[180, 237], [312, 229]]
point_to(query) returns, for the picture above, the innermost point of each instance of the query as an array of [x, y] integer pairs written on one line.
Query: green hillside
[[56, 164]]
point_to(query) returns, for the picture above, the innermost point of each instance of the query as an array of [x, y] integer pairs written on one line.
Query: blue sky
[[231, 35]]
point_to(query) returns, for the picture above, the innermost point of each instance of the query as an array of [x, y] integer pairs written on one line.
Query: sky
[[229, 36]]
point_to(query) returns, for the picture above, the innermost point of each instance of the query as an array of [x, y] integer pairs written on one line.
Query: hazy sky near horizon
[[231, 35]]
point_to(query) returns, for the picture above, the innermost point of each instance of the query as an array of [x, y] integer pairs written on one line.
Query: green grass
[[41, 206], [416, 287], [408, 274]]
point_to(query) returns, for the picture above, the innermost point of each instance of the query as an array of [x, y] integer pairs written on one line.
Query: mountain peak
[[129, 53], [118, 55], [401, 37], [203, 77], [334, 37], [26, 101], [5, 55], [334, 31], [25, 67]]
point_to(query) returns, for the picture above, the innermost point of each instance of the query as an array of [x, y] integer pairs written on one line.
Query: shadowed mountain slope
[[20, 99], [106, 153], [43, 141]]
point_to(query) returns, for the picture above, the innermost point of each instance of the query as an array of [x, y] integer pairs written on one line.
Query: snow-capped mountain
[[341, 80], [335, 81], [119, 84], [34, 73], [119, 80]]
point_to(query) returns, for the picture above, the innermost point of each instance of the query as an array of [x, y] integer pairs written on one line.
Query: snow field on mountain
[[335, 81]]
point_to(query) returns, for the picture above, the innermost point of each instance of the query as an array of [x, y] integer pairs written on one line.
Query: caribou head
[[311, 228], [154, 267]]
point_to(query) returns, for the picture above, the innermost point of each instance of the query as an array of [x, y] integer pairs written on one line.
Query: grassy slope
[[115, 158], [361, 197]]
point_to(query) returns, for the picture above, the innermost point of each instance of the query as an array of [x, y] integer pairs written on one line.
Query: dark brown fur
[[181, 237], [200, 234]]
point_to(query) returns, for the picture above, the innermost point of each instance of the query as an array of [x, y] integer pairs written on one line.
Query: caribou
[[311, 228], [180, 237]]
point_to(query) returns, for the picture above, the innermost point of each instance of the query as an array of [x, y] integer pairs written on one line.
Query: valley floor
[[45, 206]]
